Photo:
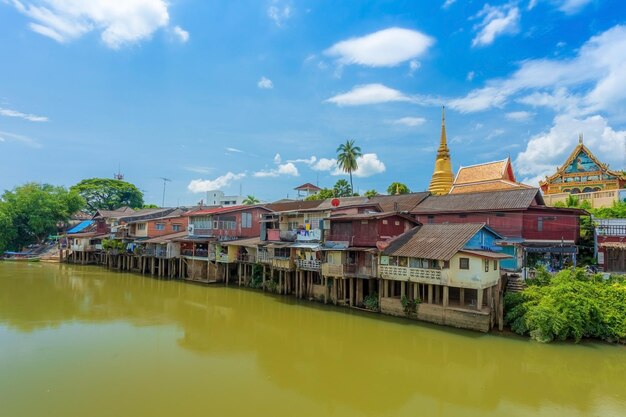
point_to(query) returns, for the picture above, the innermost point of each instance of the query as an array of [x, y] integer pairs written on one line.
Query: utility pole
[[165, 181]]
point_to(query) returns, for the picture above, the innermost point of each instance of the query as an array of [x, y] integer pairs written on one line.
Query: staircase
[[515, 283]]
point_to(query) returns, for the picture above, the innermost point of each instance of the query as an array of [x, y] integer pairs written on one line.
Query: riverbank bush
[[570, 305]]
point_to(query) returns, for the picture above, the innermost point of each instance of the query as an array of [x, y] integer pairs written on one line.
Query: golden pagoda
[[442, 179]]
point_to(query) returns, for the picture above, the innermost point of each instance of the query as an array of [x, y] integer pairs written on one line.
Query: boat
[[20, 257]]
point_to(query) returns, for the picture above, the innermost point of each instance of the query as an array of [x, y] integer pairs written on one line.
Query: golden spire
[[442, 178]]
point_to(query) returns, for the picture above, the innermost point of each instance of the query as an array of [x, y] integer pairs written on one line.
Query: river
[[83, 341]]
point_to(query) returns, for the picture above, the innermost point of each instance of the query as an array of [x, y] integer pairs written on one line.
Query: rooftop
[[516, 199]]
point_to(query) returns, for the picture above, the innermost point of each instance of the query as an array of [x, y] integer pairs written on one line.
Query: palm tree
[[250, 200], [347, 155]]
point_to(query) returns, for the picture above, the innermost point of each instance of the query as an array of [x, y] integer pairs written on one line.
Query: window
[[141, 226], [159, 226], [385, 221], [463, 263], [431, 219], [282, 252], [292, 226], [246, 220], [540, 224], [462, 216], [446, 265], [177, 227], [397, 222], [495, 265], [486, 265]]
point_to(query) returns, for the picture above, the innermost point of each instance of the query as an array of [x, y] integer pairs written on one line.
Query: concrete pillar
[[462, 297], [402, 289], [351, 284], [437, 293], [479, 299], [445, 296]]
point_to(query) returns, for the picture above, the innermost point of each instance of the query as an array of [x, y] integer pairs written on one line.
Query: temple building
[[584, 175], [488, 176], [442, 178]]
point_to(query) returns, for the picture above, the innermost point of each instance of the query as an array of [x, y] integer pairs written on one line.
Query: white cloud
[[385, 48], [547, 150], [369, 165], [309, 161], [470, 76], [199, 170], [519, 116], [119, 22], [279, 13], [234, 150], [496, 21], [201, 186], [596, 73], [12, 137], [283, 169], [324, 164], [409, 121], [181, 34], [566, 6], [277, 159], [25, 116], [448, 3], [414, 65], [368, 94], [265, 83]]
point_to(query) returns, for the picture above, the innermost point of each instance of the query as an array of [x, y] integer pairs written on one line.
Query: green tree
[[250, 200], [342, 189], [33, 211], [347, 155], [571, 201], [323, 194], [397, 188], [616, 211], [371, 193], [108, 194]]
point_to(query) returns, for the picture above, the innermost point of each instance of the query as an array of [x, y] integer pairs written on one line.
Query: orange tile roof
[[483, 172], [494, 185]]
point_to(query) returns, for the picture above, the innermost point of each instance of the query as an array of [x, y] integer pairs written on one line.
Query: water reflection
[[337, 359]]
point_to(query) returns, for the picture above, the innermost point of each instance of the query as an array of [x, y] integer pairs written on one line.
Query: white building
[[217, 198]]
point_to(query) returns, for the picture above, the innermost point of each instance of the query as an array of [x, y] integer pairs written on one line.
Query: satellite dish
[[334, 202]]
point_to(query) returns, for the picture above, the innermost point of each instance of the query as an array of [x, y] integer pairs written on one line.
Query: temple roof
[[496, 170], [580, 148]]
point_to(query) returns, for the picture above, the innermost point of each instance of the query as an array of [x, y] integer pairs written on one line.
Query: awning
[[551, 249], [486, 254], [311, 246], [278, 244]]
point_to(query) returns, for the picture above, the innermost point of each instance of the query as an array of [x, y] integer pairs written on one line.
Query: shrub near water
[[569, 306]]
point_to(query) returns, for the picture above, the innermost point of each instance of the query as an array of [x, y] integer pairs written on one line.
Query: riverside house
[[443, 273]]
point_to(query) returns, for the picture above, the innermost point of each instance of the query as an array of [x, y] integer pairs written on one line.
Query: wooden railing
[[332, 270], [404, 273], [263, 257], [309, 264], [247, 258], [359, 270], [282, 263]]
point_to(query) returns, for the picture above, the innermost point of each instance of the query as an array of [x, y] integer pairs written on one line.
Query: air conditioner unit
[[190, 229]]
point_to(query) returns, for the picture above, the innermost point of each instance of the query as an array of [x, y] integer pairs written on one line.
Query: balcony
[[332, 270], [308, 264], [276, 235], [221, 257], [611, 230], [314, 235], [404, 273], [282, 263], [263, 257], [246, 258], [359, 271], [198, 253], [161, 253]]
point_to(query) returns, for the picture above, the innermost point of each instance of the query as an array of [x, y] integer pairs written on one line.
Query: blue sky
[[257, 95]]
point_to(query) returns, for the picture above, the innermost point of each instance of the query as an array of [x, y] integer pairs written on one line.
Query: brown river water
[[83, 341]]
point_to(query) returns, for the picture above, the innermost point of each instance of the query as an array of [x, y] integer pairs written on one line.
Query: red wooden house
[[520, 215]]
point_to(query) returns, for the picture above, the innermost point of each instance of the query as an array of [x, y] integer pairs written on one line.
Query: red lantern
[[334, 202]]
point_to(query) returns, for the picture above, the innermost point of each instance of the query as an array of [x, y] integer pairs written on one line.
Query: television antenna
[[165, 181]]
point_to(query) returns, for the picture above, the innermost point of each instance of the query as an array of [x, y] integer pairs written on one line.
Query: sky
[[254, 97]]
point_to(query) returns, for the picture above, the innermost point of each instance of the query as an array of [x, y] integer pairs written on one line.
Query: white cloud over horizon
[[409, 121], [496, 21], [287, 168], [30, 117], [519, 116], [596, 73], [547, 150], [279, 13], [119, 22], [223, 181], [385, 48]]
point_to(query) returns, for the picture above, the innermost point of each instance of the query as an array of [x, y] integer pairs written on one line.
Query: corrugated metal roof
[[81, 226], [487, 254], [293, 205], [250, 242], [517, 199], [166, 238], [433, 241], [401, 202]]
